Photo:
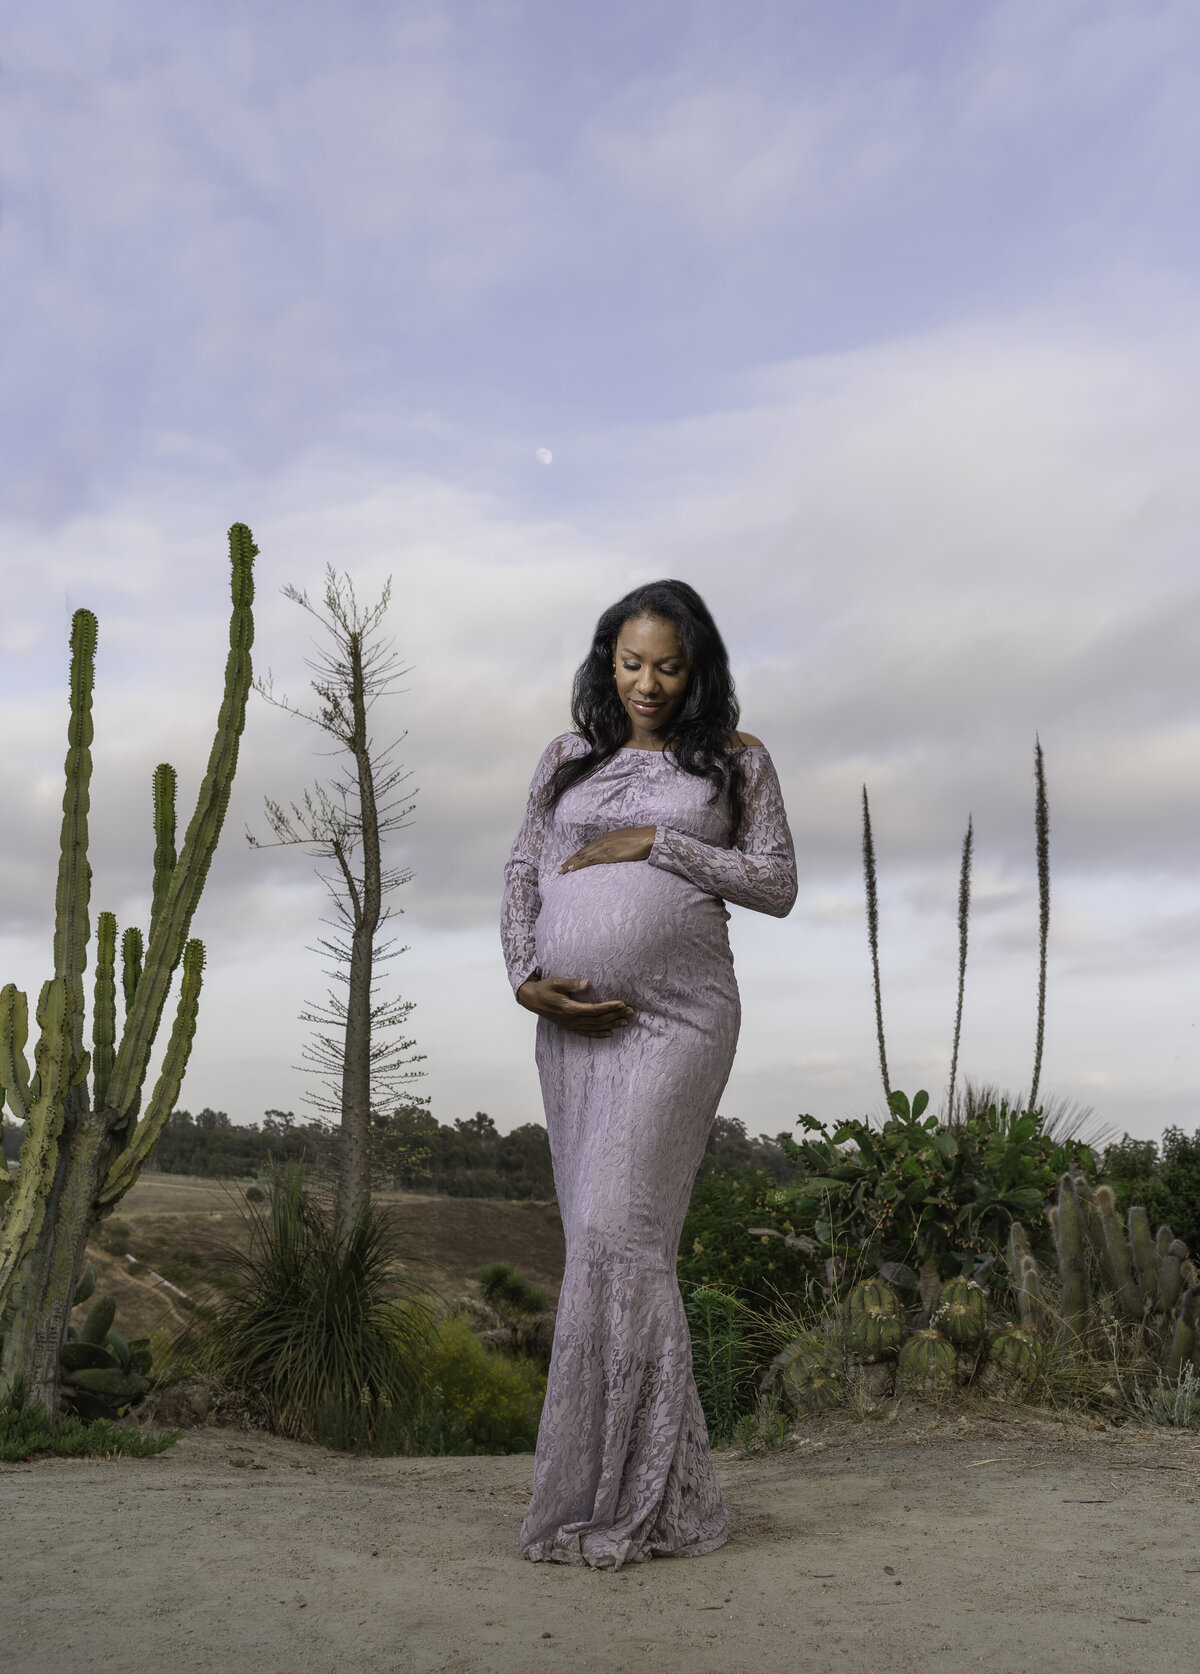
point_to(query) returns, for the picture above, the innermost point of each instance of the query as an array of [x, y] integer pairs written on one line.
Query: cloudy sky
[[878, 323]]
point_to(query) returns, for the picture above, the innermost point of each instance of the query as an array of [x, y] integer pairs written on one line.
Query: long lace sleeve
[[522, 899], [760, 871]]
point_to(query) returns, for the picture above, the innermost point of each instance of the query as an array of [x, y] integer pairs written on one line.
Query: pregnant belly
[[634, 931]]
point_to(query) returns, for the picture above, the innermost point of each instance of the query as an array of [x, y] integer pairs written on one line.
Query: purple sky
[[878, 323]]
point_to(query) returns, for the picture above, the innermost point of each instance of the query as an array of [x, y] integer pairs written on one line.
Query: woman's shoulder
[[567, 744], [746, 741], [560, 748]]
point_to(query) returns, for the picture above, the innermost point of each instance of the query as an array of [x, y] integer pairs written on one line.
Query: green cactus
[[104, 1008], [874, 1320], [111, 1381], [1017, 1353], [928, 1364], [961, 1313], [98, 1323], [73, 1357], [85, 1287], [1093, 1231], [102, 1373], [1145, 1256], [1072, 1262], [1183, 1341], [807, 1374], [164, 839], [1170, 1270], [84, 1146], [1120, 1261]]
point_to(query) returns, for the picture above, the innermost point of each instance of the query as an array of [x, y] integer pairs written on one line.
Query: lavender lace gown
[[623, 1467]]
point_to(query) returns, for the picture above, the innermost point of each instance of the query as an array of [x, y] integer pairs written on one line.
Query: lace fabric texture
[[623, 1468]]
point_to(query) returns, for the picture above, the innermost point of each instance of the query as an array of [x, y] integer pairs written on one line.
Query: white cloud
[[920, 556]]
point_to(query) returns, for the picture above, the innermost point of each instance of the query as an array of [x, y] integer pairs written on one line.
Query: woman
[[640, 825]]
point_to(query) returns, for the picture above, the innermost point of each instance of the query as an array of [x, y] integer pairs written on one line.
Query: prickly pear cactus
[[102, 1373], [928, 1364], [807, 1374], [874, 1320], [961, 1313]]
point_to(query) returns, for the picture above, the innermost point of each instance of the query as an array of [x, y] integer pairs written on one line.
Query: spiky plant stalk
[[868, 851], [84, 1147], [1042, 831], [964, 913]]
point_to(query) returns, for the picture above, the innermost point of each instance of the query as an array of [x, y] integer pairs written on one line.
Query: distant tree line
[[410, 1151]]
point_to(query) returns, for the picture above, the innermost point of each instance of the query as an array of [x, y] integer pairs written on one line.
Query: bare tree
[[358, 1053]]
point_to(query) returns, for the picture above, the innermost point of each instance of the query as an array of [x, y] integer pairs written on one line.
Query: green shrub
[[1165, 1180], [26, 1432], [912, 1190], [722, 1361], [472, 1401], [504, 1289], [715, 1247]]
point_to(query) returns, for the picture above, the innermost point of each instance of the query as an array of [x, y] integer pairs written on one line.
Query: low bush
[[723, 1361], [25, 1432], [716, 1247], [473, 1401]]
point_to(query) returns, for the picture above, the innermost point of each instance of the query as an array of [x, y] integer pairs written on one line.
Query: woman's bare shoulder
[[748, 741]]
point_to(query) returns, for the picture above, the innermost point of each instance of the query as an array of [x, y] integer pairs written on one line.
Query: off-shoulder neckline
[[636, 750]]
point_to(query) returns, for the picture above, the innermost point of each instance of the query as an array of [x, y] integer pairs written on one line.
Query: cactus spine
[[82, 1152]]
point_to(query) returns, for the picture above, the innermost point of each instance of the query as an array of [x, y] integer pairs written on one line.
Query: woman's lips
[[647, 708]]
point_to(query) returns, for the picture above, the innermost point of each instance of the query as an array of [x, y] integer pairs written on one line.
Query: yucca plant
[[327, 1329]]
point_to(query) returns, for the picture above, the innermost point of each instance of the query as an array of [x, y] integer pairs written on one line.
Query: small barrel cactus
[[928, 1363], [874, 1320], [1017, 1352], [807, 1374], [961, 1312]]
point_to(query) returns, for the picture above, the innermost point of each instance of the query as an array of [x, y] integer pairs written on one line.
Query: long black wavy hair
[[702, 733]]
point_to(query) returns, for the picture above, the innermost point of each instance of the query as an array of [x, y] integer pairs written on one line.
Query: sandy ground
[[1000, 1540]]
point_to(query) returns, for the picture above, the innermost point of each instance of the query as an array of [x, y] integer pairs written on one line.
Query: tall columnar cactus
[[1072, 1261], [1145, 1256], [84, 1143], [1120, 1261]]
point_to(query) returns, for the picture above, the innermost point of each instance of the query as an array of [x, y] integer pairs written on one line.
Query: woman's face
[[651, 673]]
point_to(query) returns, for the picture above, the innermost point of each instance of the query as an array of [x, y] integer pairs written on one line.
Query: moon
[[544, 456]]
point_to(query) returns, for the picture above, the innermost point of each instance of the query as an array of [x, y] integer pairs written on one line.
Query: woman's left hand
[[633, 843]]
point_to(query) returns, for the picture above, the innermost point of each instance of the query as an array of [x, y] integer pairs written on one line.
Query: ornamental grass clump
[[316, 1325], [722, 1359]]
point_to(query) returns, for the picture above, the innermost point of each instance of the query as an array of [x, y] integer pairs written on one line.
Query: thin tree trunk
[[354, 1177]]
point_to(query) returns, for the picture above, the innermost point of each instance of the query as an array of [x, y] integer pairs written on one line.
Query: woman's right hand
[[557, 1000]]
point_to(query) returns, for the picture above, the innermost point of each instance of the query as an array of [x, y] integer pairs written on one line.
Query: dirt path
[[995, 1541]]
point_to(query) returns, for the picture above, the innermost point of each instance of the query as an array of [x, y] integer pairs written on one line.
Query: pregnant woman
[[641, 824]]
